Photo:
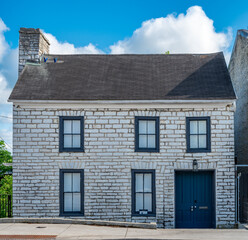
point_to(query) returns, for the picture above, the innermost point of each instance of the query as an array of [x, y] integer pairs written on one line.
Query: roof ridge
[[142, 54]]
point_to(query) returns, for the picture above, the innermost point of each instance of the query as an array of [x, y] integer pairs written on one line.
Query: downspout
[[238, 201], [237, 184], [236, 196]]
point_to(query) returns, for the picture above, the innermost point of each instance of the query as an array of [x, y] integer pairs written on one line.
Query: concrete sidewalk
[[67, 231]]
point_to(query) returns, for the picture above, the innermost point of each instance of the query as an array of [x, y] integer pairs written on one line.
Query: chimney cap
[[29, 30]]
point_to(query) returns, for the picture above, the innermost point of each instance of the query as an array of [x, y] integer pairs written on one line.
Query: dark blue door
[[194, 199]]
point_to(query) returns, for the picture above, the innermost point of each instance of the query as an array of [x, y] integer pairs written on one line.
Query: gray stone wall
[[109, 157], [32, 45], [238, 68]]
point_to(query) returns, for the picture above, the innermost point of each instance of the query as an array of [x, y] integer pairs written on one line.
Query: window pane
[[139, 182], [67, 126], [193, 141], [67, 141], [148, 201], [142, 127], [76, 126], [68, 202], [139, 201], [142, 141], [151, 127], [67, 182], [193, 127], [203, 127], [202, 141], [76, 141], [151, 141], [148, 182], [76, 182], [76, 202]]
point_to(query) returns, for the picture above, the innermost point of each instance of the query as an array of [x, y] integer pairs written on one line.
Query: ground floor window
[[143, 192], [71, 192]]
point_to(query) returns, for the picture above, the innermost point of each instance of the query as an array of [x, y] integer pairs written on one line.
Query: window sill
[[144, 215], [71, 150], [198, 150], [71, 214], [147, 150]]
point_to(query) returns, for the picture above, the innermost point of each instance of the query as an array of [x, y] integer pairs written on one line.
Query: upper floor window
[[146, 134], [71, 134], [198, 134], [143, 192]]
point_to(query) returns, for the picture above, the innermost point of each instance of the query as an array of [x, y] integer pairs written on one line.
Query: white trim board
[[126, 104]]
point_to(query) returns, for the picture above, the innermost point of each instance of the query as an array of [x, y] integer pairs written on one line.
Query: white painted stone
[[108, 159]]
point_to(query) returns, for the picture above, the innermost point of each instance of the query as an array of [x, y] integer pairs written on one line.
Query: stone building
[[238, 68], [138, 138]]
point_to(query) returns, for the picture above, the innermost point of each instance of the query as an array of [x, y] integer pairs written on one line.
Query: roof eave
[[231, 100]]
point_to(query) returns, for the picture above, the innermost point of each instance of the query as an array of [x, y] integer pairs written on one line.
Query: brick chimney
[[32, 45]]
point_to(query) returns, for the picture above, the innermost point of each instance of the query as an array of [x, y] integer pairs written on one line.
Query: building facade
[[238, 68], [121, 152]]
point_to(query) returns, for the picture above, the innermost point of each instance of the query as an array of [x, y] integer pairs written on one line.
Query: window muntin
[[147, 134], [71, 192], [143, 192], [198, 134], [71, 134]]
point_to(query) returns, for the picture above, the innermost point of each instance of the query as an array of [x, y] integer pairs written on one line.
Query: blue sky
[[105, 22], [137, 26]]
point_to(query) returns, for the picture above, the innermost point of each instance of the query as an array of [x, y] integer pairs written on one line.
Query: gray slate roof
[[126, 77]]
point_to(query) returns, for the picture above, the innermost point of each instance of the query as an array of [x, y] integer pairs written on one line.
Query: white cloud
[[8, 71], [190, 33], [57, 47], [4, 49], [4, 90], [3, 44], [9, 66]]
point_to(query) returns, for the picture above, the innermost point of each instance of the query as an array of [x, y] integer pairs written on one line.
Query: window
[[71, 134], [146, 134], [198, 134], [71, 192], [143, 192]]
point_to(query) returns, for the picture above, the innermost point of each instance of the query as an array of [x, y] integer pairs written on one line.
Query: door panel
[[194, 199], [184, 199], [203, 196]]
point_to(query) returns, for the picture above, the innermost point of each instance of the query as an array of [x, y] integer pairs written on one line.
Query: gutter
[[123, 104], [123, 101]]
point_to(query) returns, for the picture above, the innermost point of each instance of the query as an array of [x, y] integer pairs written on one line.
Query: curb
[[79, 221]]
